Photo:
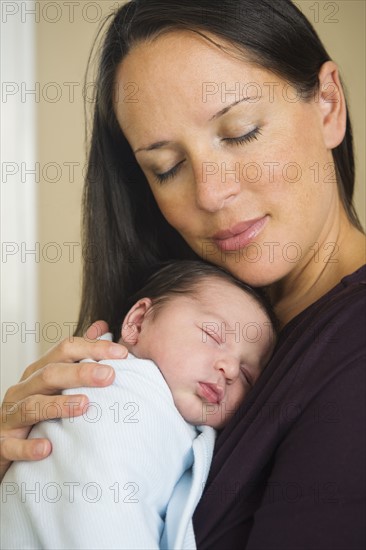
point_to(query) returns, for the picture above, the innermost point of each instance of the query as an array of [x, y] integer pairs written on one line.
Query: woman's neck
[[320, 272]]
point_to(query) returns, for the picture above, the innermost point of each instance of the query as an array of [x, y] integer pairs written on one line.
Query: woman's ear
[[132, 323], [332, 105]]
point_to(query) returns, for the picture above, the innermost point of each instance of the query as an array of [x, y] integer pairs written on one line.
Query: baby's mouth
[[211, 392]]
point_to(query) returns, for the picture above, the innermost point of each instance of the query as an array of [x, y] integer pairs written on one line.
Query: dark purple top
[[289, 469]]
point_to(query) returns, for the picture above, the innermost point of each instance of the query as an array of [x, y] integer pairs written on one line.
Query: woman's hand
[[29, 401]]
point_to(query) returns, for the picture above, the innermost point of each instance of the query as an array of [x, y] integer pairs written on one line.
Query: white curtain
[[18, 198]]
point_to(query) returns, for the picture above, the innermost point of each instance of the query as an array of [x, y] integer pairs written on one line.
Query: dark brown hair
[[171, 279]]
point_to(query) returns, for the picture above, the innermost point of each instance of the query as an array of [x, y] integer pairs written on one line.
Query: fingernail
[[102, 373], [77, 400], [118, 351], [40, 448]]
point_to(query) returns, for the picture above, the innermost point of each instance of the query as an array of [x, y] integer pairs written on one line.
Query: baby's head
[[210, 335]]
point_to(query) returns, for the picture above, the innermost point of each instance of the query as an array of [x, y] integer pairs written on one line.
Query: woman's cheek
[[176, 208]]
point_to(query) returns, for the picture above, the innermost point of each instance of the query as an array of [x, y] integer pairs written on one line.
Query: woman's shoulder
[[352, 284], [337, 317], [357, 277], [318, 348]]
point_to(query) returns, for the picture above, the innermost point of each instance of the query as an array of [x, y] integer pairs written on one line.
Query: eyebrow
[[226, 109], [160, 144], [213, 317], [156, 145]]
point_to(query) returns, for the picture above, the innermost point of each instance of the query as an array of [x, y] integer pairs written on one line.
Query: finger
[[13, 448], [36, 408], [96, 330], [56, 377], [76, 349]]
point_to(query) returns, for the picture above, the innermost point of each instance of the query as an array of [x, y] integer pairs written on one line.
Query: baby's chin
[[218, 420], [219, 424]]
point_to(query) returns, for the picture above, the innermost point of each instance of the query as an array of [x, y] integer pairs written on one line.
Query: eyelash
[[244, 139], [166, 176], [215, 339], [170, 174], [246, 376]]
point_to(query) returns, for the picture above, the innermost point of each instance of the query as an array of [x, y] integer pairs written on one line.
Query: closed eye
[[213, 336], [247, 376], [244, 139], [170, 174]]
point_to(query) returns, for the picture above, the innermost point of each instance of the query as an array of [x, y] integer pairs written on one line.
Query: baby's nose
[[229, 366]]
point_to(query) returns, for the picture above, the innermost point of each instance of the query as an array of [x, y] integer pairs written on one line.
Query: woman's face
[[237, 163]]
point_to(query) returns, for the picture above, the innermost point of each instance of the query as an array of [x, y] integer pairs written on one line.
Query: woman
[[223, 132]]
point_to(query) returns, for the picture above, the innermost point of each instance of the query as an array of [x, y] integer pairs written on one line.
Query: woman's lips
[[210, 392], [240, 235]]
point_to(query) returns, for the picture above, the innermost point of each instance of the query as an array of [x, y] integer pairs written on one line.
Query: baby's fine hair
[[170, 279]]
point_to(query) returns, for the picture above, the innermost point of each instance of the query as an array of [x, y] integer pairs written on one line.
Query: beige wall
[[62, 51]]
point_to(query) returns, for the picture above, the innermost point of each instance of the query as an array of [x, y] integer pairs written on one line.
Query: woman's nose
[[230, 368], [216, 184]]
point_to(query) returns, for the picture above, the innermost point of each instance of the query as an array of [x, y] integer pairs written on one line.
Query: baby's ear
[[132, 323]]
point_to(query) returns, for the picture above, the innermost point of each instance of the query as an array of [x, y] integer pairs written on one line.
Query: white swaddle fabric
[[126, 474]]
